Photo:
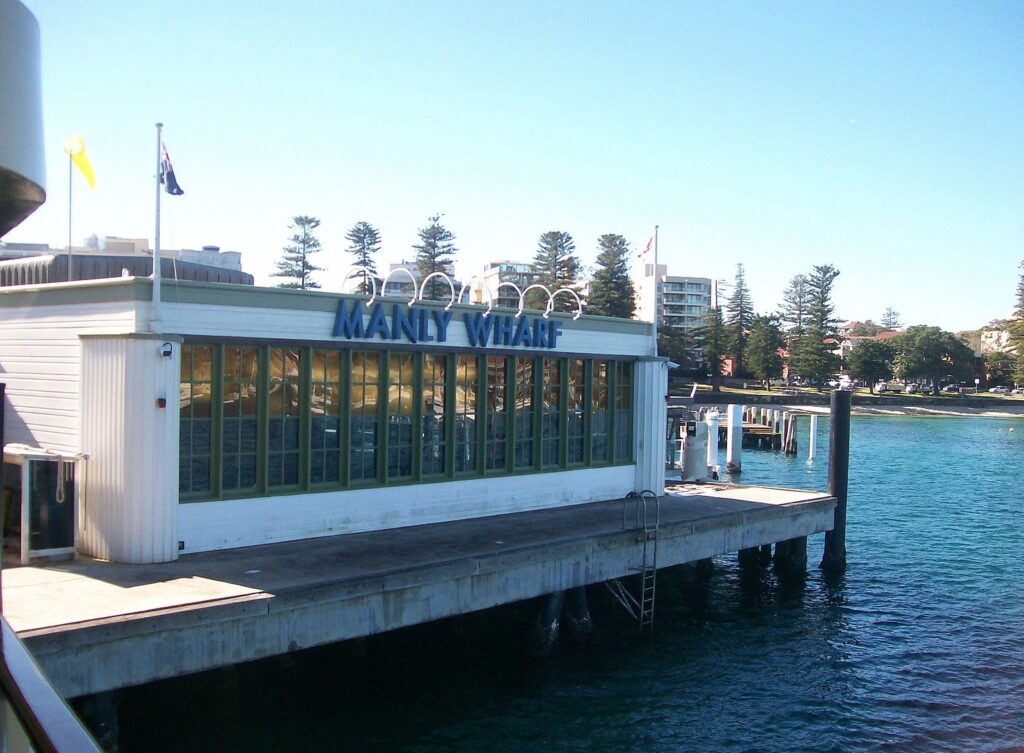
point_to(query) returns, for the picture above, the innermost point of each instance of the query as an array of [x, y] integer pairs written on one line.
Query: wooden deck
[[97, 626]]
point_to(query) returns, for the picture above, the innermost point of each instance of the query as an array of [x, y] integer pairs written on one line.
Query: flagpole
[[70, 165], [654, 317], [154, 315]]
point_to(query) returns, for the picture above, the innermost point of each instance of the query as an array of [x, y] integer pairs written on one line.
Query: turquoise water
[[919, 647]]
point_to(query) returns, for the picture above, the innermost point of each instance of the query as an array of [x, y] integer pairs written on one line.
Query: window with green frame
[[576, 410], [364, 416], [523, 408], [466, 409], [400, 415], [240, 444], [195, 438], [284, 415], [325, 417], [435, 415], [496, 427], [551, 411], [599, 413], [270, 419], [623, 411]]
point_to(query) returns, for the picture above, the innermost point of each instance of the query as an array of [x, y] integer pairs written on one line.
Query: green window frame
[[285, 397], [467, 409], [497, 413], [524, 409], [241, 445], [327, 403], [364, 434], [623, 420], [402, 407], [435, 421], [600, 420], [576, 409], [196, 421], [278, 419], [551, 412]]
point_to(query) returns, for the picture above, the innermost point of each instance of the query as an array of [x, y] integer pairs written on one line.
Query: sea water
[[918, 647]]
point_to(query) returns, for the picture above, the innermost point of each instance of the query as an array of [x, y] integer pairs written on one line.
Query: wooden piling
[[712, 421], [812, 438], [834, 556], [791, 556], [734, 440]]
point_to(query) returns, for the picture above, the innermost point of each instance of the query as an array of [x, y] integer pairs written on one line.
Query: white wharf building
[[231, 416]]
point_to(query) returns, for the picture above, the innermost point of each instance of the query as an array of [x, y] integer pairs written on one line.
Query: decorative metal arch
[[490, 296], [507, 283], [451, 286], [551, 303], [384, 285], [369, 275], [522, 297]]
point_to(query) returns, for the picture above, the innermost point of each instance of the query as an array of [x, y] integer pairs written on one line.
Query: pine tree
[[434, 254], [891, 319], [364, 243], [294, 263], [739, 320], [1017, 332], [814, 357], [611, 291], [712, 336], [558, 267], [763, 348], [794, 305]]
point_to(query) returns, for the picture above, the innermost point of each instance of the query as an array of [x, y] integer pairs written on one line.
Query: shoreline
[[952, 411]]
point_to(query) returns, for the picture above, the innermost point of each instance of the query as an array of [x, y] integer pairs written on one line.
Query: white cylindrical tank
[[22, 169], [695, 451]]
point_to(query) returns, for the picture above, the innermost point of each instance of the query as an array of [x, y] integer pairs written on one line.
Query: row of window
[[267, 420]]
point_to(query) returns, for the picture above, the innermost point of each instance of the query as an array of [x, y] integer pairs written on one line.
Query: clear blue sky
[[884, 138]]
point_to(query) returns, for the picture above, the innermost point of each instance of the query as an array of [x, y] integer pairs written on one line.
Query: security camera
[[166, 350]]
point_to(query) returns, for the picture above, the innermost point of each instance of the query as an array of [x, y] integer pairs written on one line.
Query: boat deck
[[96, 626]]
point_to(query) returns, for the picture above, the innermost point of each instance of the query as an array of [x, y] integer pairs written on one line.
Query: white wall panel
[[217, 525], [129, 513], [40, 364]]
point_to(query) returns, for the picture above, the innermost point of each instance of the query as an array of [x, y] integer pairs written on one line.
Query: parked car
[[912, 388], [1000, 390], [884, 387], [952, 388], [1017, 391]]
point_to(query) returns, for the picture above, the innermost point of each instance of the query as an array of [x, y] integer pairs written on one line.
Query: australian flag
[[167, 174]]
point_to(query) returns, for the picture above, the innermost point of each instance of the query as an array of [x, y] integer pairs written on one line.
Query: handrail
[[46, 718]]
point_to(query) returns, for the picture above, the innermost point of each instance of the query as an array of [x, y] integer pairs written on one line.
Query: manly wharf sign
[[399, 321]]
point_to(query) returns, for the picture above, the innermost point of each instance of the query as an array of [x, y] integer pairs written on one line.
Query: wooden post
[[734, 440], [834, 557], [791, 556]]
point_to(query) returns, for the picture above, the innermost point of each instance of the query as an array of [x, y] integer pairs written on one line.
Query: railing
[[45, 723], [42, 721]]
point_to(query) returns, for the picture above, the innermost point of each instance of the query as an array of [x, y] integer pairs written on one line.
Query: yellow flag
[[75, 148]]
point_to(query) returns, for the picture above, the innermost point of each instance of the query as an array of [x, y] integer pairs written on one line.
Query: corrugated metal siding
[[40, 356], [130, 511], [54, 268]]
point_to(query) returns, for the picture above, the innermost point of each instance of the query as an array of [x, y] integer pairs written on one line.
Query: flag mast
[[71, 162], [654, 299], [154, 311]]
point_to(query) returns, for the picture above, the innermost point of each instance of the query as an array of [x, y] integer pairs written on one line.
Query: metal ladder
[[647, 521]]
